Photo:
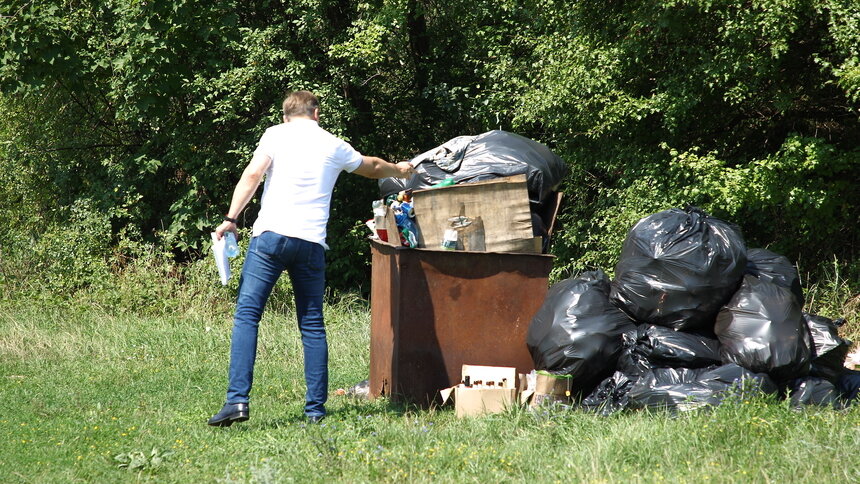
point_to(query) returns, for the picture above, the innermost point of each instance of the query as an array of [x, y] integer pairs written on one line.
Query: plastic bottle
[[449, 241], [447, 182], [231, 248]]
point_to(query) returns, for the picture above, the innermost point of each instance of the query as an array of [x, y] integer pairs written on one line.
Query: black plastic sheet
[[775, 268], [678, 267], [762, 329], [660, 347], [687, 389], [577, 331], [811, 390], [610, 396], [493, 154]]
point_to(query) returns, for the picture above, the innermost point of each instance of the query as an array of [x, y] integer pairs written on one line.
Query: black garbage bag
[[775, 268], [493, 154], [677, 268], [661, 347], [762, 329], [812, 390], [610, 396], [830, 349], [687, 389], [631, 361], [577, 331], [848, 385]]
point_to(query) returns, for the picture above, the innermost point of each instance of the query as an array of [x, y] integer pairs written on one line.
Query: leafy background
[[125, 124]]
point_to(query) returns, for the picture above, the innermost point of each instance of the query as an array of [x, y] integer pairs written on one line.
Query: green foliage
[[146, 112], [742, 109]]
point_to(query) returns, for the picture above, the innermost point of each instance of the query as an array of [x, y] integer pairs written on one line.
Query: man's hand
[[224, 228], [405, 170]]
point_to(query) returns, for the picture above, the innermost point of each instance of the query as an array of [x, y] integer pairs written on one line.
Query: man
[[301, 162]]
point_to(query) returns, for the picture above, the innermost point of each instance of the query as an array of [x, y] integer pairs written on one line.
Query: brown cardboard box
[[480, 400], [542, 387], [551, 389], [387, 227]]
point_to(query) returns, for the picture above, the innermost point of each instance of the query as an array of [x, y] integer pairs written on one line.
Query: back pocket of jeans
[[267, 244]]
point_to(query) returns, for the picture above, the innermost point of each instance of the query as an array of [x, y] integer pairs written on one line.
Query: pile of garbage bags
[[704, 320]]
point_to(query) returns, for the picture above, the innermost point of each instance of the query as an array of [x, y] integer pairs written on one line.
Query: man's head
[[301, 104]]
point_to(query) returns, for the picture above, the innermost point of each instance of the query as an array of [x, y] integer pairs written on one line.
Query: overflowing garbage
[[707, 320], [691, 318], [493, 154], [488, 156], [403, 230]]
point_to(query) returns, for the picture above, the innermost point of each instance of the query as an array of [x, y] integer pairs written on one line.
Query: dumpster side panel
[[384, 298], [455, 308]]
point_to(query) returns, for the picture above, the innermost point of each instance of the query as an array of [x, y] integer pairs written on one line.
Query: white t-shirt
[[306, 161]]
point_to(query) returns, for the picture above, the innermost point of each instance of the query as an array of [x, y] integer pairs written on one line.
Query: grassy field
[[92, 395]]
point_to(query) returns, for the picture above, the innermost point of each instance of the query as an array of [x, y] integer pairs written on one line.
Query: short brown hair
[[300, 103]]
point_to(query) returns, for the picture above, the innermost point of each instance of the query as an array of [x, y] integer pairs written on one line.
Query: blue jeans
[[268, 256]]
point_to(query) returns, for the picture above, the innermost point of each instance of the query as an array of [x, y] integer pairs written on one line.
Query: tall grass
[[114, 384]]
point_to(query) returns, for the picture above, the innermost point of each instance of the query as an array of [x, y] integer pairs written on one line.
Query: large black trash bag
[[493, 154], [631, 361], [848, 385], [811, 390], [677, 268], [686, 389], [577, 331], [610, 396], [770, 266], [661, 347], [830, 349], [762, 329]]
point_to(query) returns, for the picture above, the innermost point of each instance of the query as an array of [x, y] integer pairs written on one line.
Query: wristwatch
[[229, 219]]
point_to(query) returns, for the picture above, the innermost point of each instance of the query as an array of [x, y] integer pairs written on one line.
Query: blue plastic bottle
[[231, 248]]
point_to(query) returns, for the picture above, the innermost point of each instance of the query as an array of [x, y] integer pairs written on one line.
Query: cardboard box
[[551, 388], [501, 205], [541, 387], [496, 392], [386, 228]]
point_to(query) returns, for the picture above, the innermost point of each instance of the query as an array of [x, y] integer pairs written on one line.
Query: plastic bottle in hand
[[231, 248]]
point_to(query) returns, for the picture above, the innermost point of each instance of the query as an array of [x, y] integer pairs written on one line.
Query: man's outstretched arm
[[373, 167]]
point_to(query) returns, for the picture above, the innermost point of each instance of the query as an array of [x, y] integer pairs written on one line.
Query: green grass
[[82, 385]]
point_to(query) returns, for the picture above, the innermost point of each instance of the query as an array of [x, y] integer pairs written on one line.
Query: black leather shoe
[[230, 413], [315, 419]]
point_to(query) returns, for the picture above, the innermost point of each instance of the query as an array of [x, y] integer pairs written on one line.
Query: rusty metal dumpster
[[433, 311]]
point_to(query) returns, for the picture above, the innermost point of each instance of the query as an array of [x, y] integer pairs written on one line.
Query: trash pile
[[491, 155], [399, 206], [691, 318]]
